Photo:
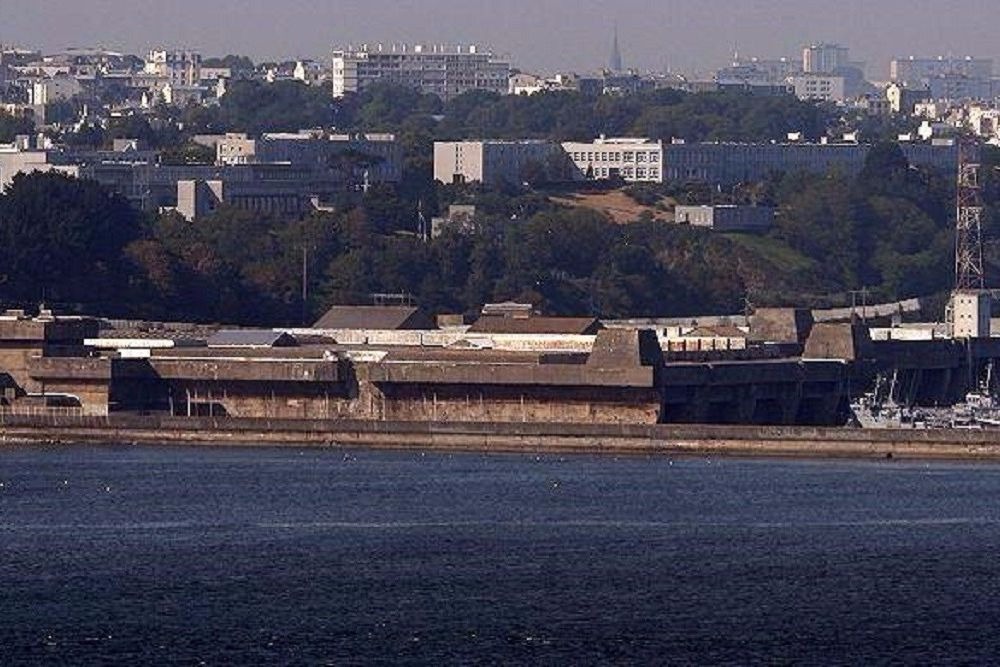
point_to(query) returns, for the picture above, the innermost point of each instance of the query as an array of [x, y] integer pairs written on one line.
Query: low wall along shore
[[661, 439]]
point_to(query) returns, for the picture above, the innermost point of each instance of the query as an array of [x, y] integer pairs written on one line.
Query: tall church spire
[[615, 62]]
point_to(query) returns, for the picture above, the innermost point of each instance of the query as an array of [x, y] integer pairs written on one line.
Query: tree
[[62, 239]]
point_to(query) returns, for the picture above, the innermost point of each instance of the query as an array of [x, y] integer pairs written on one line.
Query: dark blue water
[[233, 556]]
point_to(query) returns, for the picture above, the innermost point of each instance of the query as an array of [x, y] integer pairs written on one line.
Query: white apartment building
[[180, 68], [635, 160], [819, 87], [444, 71]]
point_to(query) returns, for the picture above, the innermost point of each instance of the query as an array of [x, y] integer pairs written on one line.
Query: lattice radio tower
[[969, 275]]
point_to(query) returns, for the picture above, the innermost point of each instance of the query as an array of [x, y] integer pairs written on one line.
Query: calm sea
[[139, 555]]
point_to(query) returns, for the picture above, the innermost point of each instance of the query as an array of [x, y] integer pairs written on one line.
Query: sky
[[540, 35]]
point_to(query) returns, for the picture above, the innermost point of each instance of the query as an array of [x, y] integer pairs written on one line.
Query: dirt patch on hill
[[618, 206]]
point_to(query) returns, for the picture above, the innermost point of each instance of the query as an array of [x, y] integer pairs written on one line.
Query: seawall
[[624, 439]]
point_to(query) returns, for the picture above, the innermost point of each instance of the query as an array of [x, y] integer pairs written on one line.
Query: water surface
[[279, 556]]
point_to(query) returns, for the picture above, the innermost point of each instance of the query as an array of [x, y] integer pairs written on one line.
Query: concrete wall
[[466, 403]]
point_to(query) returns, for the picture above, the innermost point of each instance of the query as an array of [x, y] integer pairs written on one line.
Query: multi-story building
[[960, 87], [915, 71], [377, 158], [179, 68], [725, 164], [443, 71], [819, 87], [496, 162], [758, 70], [633, 160], [55, 89], [824, 58]]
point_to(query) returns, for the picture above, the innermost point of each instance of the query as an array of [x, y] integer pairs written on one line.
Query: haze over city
[[682, 35]]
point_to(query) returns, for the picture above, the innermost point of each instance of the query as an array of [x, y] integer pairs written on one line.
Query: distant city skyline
[[543, 35]]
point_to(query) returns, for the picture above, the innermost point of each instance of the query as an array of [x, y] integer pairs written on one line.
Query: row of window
[[615, 156], [629, 173]]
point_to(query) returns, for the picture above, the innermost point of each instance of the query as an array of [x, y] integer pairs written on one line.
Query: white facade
[[632, 159], [445, 72], [971, 313]]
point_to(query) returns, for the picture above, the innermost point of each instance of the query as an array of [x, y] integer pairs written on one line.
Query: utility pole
[[305, 284]]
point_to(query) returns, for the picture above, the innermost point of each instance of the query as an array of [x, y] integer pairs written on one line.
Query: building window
[[640, 157], [654, 157], [628, 156], [640, 172]]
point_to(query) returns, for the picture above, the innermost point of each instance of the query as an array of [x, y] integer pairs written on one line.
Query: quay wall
[[534, 438]]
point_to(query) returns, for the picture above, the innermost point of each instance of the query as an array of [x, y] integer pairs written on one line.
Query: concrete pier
[[534, 438]]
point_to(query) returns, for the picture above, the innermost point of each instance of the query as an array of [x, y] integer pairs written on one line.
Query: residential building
[[442, 71], [984, 122], [726, 217], [180, 68], [823, 58], [495, 162], [903, 99], [634, 160], [915, 71], [819, 87], [55, 89], [959, 87]]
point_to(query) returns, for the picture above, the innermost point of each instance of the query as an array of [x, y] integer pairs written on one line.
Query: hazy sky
[[545, 35]]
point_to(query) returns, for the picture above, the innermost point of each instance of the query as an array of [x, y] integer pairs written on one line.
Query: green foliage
[[62, 240], [239, 65], [283, 106]]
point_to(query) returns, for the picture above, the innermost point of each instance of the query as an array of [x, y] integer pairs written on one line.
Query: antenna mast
[[969, 274]]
